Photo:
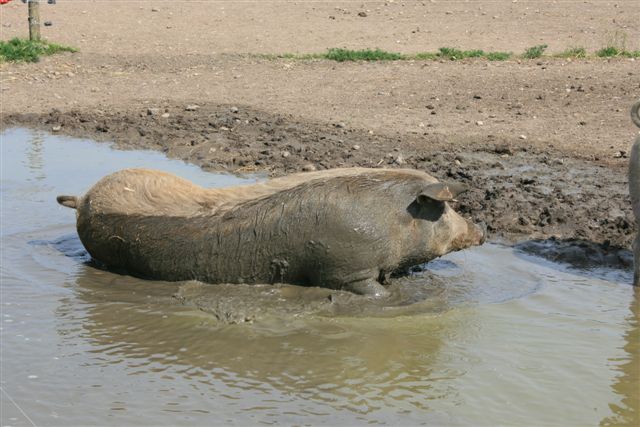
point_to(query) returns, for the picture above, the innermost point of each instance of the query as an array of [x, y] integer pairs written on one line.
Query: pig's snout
[[474, 235]]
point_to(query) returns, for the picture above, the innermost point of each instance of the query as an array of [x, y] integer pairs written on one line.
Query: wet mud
[[519, 192]]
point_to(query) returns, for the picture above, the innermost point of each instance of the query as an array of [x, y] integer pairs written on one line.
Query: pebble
[[165, 115], [48, 23], [56, 128], [309, 168], [362, 14], [340, 125], [356, 147], [399, 160], [191, 107], [620, 155], [523, 137], [286, 154], [153, 111], [479, 122], [234, 110]]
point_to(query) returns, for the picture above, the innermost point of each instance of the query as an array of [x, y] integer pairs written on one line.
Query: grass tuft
[[498, 56], [341, 55], [608, 52], [535, 51], [453, 53], [22, 50], [574, 52], [630, 54]]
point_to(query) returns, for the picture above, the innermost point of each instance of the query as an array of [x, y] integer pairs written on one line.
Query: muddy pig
[[634, 192], [342, 229]]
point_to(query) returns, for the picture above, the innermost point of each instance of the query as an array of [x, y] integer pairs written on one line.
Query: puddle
[[492, 335]]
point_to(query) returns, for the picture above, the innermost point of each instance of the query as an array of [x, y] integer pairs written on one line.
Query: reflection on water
[[496, 337], [34, 159]]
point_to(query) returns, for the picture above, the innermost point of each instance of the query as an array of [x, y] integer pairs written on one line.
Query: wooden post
[[34, 20]]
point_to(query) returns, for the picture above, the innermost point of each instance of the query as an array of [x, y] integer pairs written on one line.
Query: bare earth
[[543, 142]]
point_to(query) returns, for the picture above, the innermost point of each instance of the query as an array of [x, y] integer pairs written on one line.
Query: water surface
[[498, 337]]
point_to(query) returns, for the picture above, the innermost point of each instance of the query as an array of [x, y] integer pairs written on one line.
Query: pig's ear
[[442, 191]]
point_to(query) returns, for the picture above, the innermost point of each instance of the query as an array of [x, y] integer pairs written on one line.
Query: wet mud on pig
[[342, 229]]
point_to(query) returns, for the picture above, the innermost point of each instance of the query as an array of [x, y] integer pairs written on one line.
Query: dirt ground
[[542, 142]]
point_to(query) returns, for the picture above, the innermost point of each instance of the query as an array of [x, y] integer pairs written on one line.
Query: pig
[[347, 229], [634, 191]]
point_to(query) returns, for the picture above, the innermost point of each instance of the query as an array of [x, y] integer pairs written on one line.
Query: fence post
[[34, 20]]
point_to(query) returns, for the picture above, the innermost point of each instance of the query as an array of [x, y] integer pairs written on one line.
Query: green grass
[[341, 55], [608, 52], [498, 56], [574, 52], [612, 52], [453, 53], [535, 51], [21, 50]]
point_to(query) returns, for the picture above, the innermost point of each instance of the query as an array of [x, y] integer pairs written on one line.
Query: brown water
[[496, 336]]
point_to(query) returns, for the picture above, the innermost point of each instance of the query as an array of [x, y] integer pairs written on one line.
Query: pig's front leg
[[368, 287]]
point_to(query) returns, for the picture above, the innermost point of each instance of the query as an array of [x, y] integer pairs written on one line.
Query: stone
[[192, 107]]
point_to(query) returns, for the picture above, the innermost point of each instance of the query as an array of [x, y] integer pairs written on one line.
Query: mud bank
[[520, 192]]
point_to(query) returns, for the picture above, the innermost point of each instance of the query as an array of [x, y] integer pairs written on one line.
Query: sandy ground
[[543, 141]]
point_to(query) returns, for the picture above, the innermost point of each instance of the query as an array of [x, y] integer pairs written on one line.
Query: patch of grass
[[574, 52], [612, 52], [453, 53], [608, 52], [630, 54], [18, 50], [535, 51], [498, 56], [341, 55]]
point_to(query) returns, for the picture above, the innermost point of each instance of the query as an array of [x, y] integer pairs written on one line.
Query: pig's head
[[438, 229]]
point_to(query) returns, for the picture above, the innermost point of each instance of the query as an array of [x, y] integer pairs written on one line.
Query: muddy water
[[482, 337]]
